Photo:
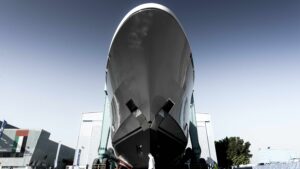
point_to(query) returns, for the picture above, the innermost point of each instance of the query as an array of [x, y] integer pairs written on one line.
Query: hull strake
[[149, 82]]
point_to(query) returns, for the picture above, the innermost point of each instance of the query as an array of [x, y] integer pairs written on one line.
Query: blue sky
[[246, 54]]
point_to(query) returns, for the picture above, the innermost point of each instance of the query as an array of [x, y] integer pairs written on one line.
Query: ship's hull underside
[[162, 146]]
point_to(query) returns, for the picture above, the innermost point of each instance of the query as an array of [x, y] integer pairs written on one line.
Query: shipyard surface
[[149, 80]]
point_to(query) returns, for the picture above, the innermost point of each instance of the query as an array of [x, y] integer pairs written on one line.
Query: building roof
[[8, 126]]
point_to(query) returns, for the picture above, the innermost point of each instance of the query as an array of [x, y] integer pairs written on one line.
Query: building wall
[[44, 153], [10, 153], [19, 148], [89, 138], [205, 136]]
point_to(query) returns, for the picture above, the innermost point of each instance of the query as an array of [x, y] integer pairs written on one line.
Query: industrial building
[[90, 135], [206, 137], [276, 155], [20, 148], [89, 139]]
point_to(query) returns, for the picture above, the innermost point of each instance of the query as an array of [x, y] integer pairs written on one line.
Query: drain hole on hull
[[168, 106], [131, 106]]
